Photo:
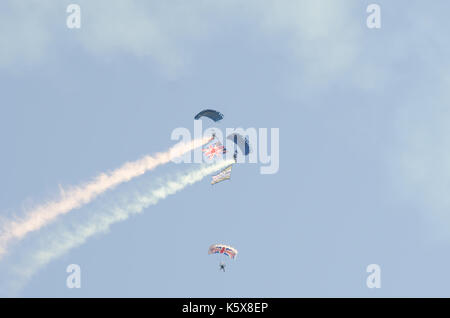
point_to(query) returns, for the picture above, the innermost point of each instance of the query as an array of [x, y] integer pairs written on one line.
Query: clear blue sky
[[364, 121]]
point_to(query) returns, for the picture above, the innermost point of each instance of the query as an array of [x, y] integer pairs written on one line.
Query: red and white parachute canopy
[[223, 249]]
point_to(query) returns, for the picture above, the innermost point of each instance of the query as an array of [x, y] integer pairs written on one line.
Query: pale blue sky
[[364, 121]]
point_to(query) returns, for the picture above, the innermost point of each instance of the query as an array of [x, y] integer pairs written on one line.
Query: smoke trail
[[85, 193], [64, 239]]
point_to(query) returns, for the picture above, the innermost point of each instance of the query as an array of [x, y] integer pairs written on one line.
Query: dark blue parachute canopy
[[210, 113], [242, 142]]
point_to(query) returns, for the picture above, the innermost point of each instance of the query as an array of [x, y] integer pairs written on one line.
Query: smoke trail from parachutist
[[83, 194], [64, 239]]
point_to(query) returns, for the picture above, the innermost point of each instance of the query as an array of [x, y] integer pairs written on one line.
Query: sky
[[364, 145]]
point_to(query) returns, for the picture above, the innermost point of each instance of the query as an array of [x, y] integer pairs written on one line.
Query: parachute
[[227, 250], [223, 250], [214, 150], [241, 142], [210, 113]]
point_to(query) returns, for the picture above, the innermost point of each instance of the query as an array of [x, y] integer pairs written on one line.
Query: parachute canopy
[[223, 249], [210, 113], [214, 150], [241, 141]]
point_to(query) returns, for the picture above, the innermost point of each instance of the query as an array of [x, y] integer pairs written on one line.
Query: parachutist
[[235, 156], [224, 250]]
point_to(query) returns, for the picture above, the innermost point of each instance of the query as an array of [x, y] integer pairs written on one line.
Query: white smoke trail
[[85, 193], [63, 239]]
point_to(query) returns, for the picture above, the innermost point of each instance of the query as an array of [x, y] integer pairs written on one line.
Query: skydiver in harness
[[235, 156], [222, 266], [213, 135]]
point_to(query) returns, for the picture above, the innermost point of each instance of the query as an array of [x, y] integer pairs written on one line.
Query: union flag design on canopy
[[214, 150]]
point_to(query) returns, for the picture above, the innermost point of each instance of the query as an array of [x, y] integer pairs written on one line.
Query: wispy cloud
[[25, 32], [421, 162], [320, 34]]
